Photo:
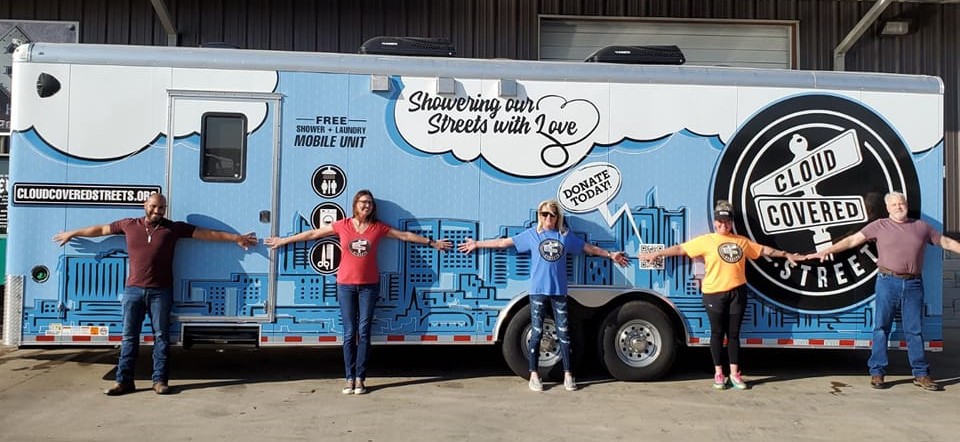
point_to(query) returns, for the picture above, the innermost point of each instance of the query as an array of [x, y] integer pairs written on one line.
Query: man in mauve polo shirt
[[901, 242], [151, 241]]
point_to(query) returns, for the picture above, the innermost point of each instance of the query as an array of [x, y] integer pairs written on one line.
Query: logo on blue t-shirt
[[551, 249], [730, 252], [359, 247]]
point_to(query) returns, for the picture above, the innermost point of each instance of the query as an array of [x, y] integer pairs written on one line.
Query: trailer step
[[221, 335]]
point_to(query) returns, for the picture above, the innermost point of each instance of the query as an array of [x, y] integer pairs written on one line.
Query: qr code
[[656, 264]]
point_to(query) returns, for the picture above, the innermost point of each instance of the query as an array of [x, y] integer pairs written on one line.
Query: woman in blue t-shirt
[[549, 244]]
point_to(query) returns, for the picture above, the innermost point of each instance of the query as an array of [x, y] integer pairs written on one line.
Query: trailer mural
[[637, 163]]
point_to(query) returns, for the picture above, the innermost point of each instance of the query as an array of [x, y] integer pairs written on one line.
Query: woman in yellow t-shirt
[[724, 297]]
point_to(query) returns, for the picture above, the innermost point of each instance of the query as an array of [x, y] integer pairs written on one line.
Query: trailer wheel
[[515, 346], [637, 342]]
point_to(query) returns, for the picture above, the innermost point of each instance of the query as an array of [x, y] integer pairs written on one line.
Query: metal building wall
[[508, 29]]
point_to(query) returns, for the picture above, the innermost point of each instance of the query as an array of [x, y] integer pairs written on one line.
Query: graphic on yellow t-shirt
[[730, 252]]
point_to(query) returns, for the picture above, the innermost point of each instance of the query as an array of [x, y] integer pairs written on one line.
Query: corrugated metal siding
[[508, 29]]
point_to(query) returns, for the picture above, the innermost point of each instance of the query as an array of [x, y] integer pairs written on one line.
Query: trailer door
[[221, 175]]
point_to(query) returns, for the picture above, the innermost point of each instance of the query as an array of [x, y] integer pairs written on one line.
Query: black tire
[[514, 346], [637, 342]]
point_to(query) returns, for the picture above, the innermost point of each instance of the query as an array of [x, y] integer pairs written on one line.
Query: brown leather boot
[[119, 389], [161, 388], [926, 383]]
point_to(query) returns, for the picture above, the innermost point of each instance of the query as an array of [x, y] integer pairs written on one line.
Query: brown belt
[[889, 272]]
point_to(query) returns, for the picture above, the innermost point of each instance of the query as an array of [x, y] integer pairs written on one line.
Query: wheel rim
[[638, 343], [549, 344]]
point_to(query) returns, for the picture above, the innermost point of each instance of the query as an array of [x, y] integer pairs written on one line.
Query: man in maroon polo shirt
[[901, 242], [151, 241]]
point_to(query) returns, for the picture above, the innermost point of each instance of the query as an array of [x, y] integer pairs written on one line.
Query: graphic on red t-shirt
[[359, 247]]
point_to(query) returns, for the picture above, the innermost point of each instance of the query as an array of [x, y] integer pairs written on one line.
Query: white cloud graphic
[[103, 112], [537, 133], [553, 125]]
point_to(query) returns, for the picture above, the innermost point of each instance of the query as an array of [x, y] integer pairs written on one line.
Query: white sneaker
[[535, 384], [569, 383], [348, 388], [360, 388]]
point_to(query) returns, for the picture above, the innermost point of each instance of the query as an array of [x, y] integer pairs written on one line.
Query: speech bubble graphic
[[589, 187]]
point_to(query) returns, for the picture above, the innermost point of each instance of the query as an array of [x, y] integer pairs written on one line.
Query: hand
[[247, 240], [62, 238], [792, 258], [273, 242], [649, 256], [442, 244], [468, 245], [620, 258], [821, 255]]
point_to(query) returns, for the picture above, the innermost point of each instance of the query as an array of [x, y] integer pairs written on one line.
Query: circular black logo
[[551, 249], [730, 252], [325, 256], [325, 214], [329, 181], [805, 173]]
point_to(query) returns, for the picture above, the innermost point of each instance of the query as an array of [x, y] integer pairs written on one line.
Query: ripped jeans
[[559, 304]]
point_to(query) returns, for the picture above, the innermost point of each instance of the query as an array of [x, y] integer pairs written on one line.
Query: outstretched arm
[[86, 232], [674, 250], [279, 241], [245, 240], [792, 258], [470, 245], [847, 243], [949, 243], [619, 257], [440, 244]]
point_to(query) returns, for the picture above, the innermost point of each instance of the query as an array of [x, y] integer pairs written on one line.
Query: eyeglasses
[[548, 214]]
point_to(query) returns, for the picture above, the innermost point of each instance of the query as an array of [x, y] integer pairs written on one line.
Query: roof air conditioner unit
[[638, 55], [418, 46]]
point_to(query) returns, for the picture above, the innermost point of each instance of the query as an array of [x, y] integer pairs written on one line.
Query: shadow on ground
[[207, 368]]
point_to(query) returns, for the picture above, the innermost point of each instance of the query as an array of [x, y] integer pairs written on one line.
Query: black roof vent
[[638, 55], [419, 46]]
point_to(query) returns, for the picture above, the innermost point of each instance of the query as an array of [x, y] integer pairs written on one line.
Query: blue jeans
[[138, 302], [906, 294], [357, 302], [559, 304]]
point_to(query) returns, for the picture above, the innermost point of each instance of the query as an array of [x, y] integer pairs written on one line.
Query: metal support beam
[[840, 52], [164, 15]]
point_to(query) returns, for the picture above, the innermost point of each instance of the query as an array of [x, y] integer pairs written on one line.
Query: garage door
[[761, 44]]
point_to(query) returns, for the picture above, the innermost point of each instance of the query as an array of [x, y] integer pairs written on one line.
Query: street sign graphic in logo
[[360, 247]]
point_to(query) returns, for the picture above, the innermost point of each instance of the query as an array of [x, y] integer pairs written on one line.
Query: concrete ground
[[468, 394]]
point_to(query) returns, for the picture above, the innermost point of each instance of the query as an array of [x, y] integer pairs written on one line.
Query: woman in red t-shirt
[[358, 278]]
